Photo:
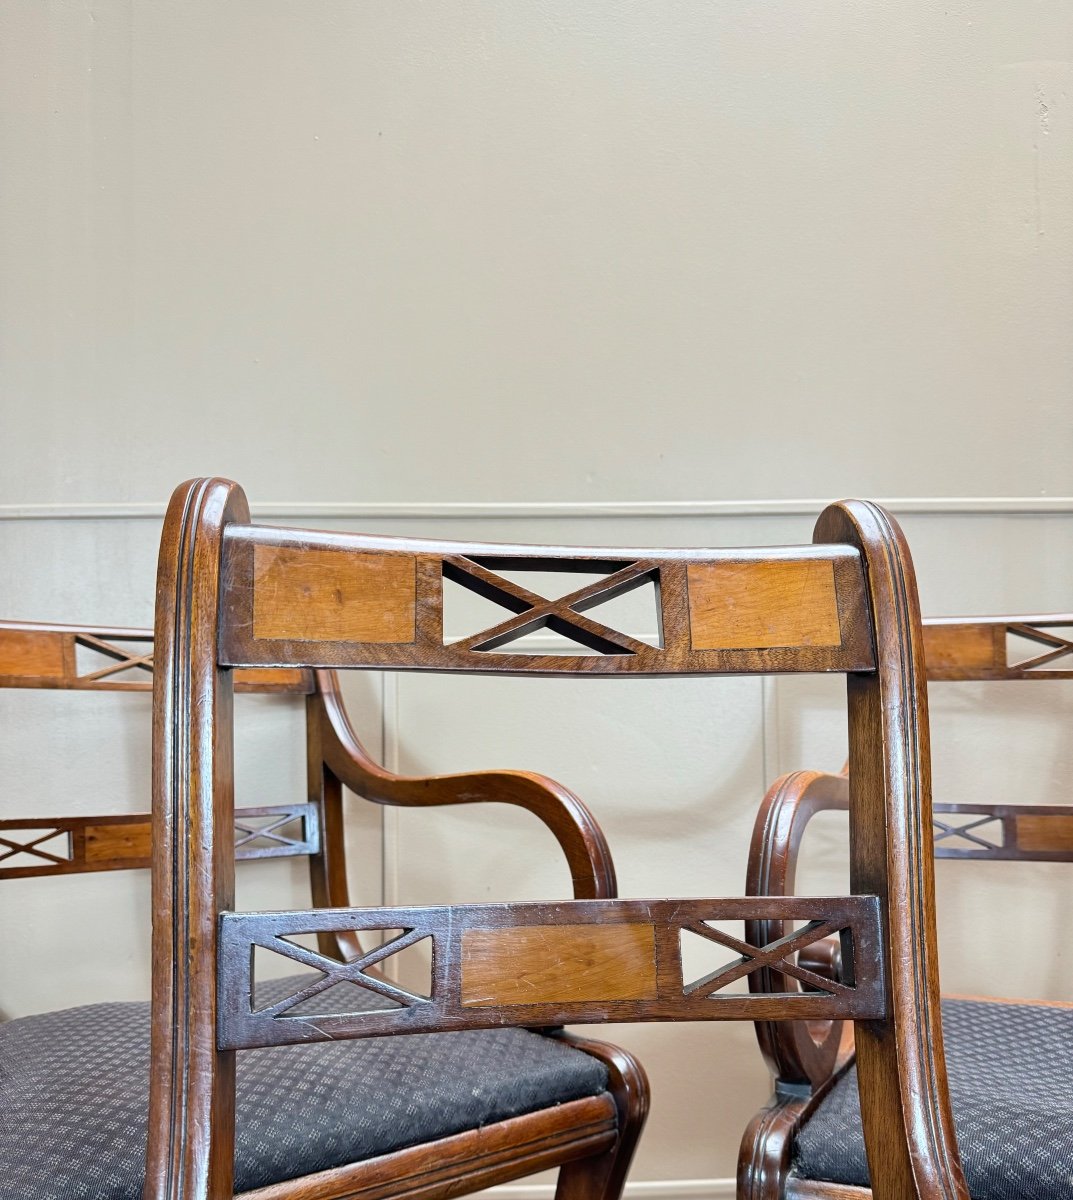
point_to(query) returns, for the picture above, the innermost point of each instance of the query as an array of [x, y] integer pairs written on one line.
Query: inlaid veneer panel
[[31, 654], [545, 964], [965, 646], [985, 648], [359, 597], [72, 845], [1044, 832], [117, 842], [761, 605], [38, 655]]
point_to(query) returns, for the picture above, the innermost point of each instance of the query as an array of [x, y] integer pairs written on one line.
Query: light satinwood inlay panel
[[105, 843], [31, 653], [1044, 832], [548, 964], [320, 594], [762, 605], [963, 646]]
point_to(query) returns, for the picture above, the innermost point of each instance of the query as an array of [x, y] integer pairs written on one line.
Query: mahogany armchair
[[1008, 1060], [426, 1116], [234, 595]]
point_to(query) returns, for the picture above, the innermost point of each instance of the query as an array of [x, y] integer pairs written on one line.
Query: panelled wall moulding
[[535, 510]]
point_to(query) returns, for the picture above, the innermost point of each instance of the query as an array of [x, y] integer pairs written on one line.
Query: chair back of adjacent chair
[[804, 1056], [94, 658], [232, 595], [996, 649]]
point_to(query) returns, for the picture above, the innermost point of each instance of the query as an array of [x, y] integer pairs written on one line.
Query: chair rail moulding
[[551, 509]]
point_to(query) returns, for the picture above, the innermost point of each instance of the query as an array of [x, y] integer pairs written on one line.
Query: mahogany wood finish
[[235, 595], [191, 1143], [567, 1137], [74, 845], [338, 758], [960, 648], [806, 1056], [572, 962], [270, 623], [37, 655]]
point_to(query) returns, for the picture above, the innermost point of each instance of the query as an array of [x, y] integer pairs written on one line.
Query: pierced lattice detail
[[356, 972], [563, 615], [31, 844], [114, 843], [953, 835], [776, 956], [548, 964], [1057, 646], [135, 658], [265, 830], [94, 658]]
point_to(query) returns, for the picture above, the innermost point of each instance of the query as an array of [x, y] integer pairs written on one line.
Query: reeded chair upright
[[234, 595], [1009, 1060], [428, 1116]]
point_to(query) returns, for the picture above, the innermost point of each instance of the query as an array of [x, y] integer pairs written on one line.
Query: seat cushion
[[1009, 1067], [74, 1089]]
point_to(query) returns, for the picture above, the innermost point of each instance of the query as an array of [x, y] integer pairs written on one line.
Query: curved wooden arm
[[574, 827], [798, 1052], [806, 1053]]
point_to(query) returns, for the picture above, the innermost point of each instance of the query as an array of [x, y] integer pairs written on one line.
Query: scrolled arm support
[[566, 816], [797, 1052]]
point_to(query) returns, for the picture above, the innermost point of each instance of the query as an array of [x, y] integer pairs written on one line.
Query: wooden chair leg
[[764, 1158], [603, 1176]]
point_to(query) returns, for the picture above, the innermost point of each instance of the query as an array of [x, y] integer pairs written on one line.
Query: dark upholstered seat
[[1010, 1067], [74, 1088]]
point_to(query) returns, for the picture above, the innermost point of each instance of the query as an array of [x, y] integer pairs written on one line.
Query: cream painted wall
[[559, 254]]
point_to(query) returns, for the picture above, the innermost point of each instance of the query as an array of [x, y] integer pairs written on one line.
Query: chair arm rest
[[566, 816], [789, 805], [798, 1053]]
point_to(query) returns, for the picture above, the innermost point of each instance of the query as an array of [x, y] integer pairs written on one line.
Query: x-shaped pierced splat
[[562, 616], [246, 833], [1060, 646], [124, 660], [775, 956], [345, 972], [943, 831], [9, 848]]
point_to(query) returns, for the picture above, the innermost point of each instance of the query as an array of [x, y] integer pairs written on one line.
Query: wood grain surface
[[761, 605], [324, 594], [549, 964]]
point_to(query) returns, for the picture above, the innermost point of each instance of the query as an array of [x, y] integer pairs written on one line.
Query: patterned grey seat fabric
[[1010, 1067], [74, 1089]]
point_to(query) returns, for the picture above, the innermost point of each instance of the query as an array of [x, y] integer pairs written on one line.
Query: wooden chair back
[[806, 1055], [232, 595], [983, 649], [43, 656]]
